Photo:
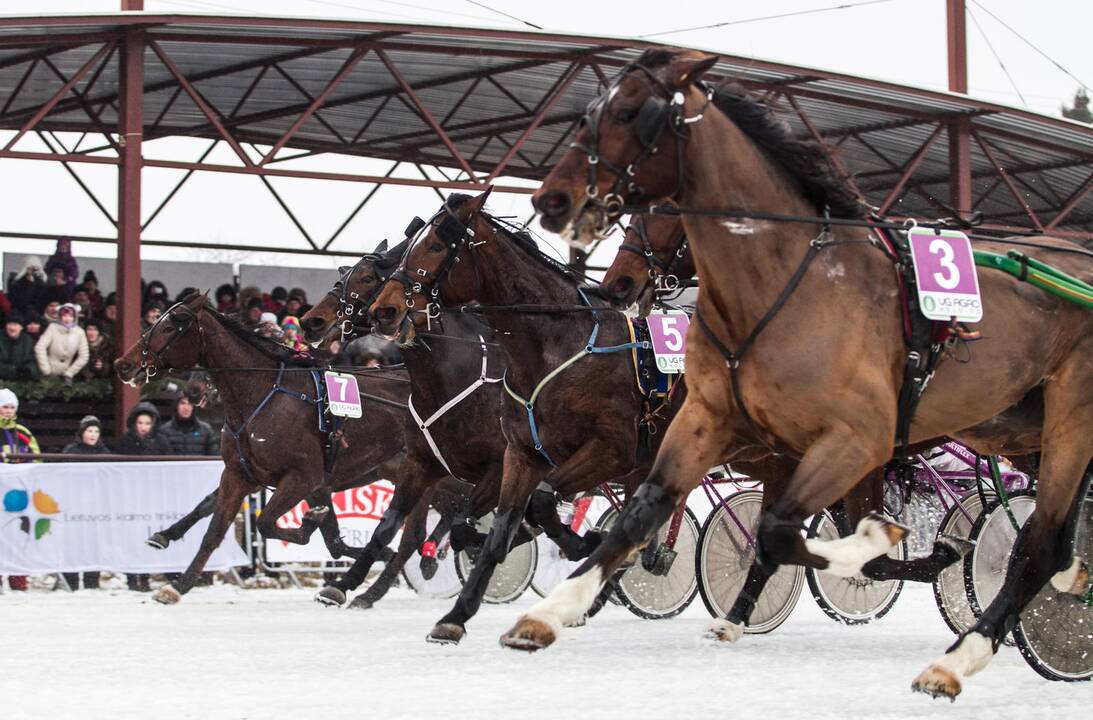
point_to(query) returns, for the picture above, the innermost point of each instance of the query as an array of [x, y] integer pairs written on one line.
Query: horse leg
[[429, 563], [694, 442], [1044, 548], [413, 479], [328, 526], [543, 512], [867, 497], [293, 487], [521, 475], [229, 498], [163, 538], [412, 535]]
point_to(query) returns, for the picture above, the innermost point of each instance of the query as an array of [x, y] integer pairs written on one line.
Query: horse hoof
[[330, 596], [937, 682], [579, 622], [316, 514], [360, 603], [724, 631], [158, 541], [529, 634], [429, 566], [961, 546], [446, 634], [1074, 580], [893, 530], [167, 595]]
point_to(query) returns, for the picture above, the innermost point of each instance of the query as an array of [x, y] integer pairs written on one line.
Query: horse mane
[[803, 160], [270, 348]]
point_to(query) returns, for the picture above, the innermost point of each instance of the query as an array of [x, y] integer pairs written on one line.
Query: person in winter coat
[[17, 440], [226, 299], [26, 290], [91, 282], [290, 335], [143, 438], [62, 260], [156, 292], [100, 348], [17, 359], [188, 434], [62, 349], [88, 442]]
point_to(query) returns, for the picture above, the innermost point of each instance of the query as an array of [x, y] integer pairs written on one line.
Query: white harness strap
[[424, 425]]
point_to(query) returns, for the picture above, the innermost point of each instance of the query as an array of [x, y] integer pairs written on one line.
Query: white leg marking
[[845, 556], [972, 654], [725, 631], [1065, 580], [569, 602]]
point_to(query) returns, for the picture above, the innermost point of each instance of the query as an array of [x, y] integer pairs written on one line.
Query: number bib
[[668, 334], [343, 396], [948, 285]]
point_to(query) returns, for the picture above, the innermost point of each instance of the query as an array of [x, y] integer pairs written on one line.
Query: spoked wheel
[[949, 592], [855, 600], [725, 556], [671, 587], [445, 583], [993, 534], [1055, 634], [552, 568], [512, 577]]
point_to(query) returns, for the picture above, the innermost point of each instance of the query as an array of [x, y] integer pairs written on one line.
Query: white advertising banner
[[359, 511], [95, 516]]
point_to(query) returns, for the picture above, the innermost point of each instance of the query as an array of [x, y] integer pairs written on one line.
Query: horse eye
[[626, 115], [436, 247]]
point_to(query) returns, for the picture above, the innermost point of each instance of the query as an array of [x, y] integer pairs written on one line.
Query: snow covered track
[[228, 653]]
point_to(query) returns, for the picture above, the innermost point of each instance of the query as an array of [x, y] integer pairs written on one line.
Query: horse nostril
[[621, 287], [313, 323], [385, 314], [553, 204]]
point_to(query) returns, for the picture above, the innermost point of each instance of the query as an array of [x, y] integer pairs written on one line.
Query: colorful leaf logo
[[41, 527], [45, 504], [15, 501]]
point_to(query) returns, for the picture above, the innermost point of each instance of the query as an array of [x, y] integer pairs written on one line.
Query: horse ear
[[689, 67], [343, 269], [381, 248], [476, 204], [198, 299]]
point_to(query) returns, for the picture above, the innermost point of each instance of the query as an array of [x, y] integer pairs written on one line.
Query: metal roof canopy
[[469, 105]]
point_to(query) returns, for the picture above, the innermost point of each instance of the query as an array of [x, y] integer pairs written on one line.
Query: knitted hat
[[88, 421], [33, 261], [15, 317], [290, 321], [297, 294], [7, 397], [268, 317], [90, 276], [279, 294]]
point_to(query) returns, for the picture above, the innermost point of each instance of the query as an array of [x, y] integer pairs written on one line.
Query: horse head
[[629, 147], [175, 341], [653, 257]]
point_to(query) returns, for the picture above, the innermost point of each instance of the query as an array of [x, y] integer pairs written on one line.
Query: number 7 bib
[[945, 273], [343, 395]]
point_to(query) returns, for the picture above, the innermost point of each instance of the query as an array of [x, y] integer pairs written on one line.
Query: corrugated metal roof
[[484, 86]]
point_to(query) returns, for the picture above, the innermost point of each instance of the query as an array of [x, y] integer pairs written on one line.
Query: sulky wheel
[[445, 582], [855, 600], [512, 577], [724, 557], [669, 586], [1055, 634], [949, 592]]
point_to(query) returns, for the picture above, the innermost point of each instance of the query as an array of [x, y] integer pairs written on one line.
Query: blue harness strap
[[276, 389], [588, 349]]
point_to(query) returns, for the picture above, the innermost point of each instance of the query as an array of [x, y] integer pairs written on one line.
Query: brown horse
[[269, 397], [578, 422], [817, 311]]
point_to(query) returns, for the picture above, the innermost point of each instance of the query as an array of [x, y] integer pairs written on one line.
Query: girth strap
[[424, 425]]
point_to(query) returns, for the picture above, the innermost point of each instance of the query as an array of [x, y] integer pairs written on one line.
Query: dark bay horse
[[455, 372], [818, 311], [279, 444], [579, 420]]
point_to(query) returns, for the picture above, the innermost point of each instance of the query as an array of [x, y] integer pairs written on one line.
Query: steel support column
[[130, 127], [960, 141]]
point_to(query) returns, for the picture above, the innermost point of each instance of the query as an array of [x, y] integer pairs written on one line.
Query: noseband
[[656, 114], [352, 308]]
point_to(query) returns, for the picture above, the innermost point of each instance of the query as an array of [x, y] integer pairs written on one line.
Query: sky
[[897, 40]]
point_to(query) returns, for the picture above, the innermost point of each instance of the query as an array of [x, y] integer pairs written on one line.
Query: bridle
[[660, 272], [352, 307], [151, 361], [655, 115]]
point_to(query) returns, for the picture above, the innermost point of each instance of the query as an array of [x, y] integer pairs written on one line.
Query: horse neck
[[751, 269], [533, 344], [240, 390], [440, 368]]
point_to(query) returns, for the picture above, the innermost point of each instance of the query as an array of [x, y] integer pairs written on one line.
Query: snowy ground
[[230, 653]]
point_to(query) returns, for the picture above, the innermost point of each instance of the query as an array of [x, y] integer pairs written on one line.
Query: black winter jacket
[[192, 437], [153, 443]]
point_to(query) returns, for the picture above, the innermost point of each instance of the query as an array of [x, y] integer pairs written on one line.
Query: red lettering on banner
[[369, 503]]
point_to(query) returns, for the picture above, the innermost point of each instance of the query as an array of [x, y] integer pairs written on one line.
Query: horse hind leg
[[163, 538], [1044, 547]]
